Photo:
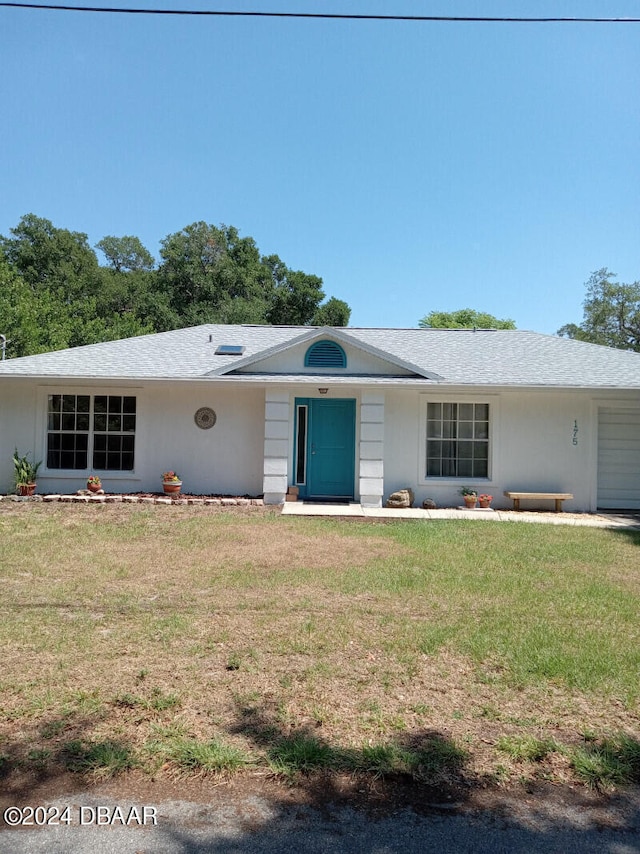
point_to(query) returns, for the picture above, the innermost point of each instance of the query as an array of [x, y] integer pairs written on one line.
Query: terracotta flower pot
[[26, 488], [484, 502], [470, 501], [94, 487], [172, 487]]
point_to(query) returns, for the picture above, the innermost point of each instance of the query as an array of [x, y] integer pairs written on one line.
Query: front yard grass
[[193, 641]]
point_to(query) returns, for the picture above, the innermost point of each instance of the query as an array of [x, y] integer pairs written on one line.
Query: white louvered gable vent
[[325, 354]]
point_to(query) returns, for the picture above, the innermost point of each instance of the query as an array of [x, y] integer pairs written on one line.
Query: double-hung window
[[458, 440], [94, 432]]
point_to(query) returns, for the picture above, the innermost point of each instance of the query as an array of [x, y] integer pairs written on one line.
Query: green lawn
[[196, 640]]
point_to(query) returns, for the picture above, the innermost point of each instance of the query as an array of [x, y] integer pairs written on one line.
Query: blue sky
[[413, 166]]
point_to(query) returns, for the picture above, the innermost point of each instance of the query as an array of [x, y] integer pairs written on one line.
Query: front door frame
[[304, 454]]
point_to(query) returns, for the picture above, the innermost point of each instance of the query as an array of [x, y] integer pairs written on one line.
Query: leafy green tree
[[126, 253], [611, 313], [334, 312], [55, 294], [32, 323], [295, 296], [464, 318], [211, 275], [53, 259]]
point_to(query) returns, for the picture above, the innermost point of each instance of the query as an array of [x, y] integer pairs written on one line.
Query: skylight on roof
[[230, 350]]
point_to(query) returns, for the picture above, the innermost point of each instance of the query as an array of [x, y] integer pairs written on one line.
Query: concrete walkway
[[592, 520]]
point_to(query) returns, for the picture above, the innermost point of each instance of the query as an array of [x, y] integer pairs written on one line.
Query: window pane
[[301, 449], [434, 429], [434, 449], [100, 422], [449, 411], [113, 462], [127, 462], [114, 424], [67, 441], [434, 411], [448, 449], [482, 411], [54, 421], [115, 404], [68, 403], [100, 442], [99, 460], [100, 403], [128, 444], [480, 468], [449, 429], [434, 467], [482, 430], [465, 430], [129, 404], [68, 421], [83, 403], [114, 443], [465, 450], [129, 423], [55, 402], [465, 412], [82, 421], [480, 450]]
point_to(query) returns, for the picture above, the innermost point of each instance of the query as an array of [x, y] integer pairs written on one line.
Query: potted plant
[[485, 500], [24, 473], [94, 484], [470, 497], [171, 483]]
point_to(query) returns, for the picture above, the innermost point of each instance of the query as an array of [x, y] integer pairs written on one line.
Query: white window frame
[[492, 401], [43, 395]]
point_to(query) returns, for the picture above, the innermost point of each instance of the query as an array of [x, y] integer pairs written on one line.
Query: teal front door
[[325, 448]]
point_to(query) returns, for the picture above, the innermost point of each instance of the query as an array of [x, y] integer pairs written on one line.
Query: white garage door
[[619, 459]]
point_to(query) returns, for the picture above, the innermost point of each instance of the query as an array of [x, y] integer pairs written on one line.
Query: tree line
[[611, 315], [55, 293]]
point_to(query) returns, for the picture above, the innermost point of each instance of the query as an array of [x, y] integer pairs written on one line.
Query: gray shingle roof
[[439, 356]]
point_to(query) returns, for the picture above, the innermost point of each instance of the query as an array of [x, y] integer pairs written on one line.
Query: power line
[[322, 15]]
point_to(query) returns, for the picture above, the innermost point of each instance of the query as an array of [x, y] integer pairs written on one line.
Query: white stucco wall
[[17, 427], [532, 446], [226, 459]]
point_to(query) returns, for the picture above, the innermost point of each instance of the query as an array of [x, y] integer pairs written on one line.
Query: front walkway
[[593, 520]]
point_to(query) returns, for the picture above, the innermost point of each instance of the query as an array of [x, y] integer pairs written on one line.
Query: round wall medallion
[[205, 417]]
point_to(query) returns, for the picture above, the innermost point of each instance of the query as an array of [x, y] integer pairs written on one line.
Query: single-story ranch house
[[340, 413]]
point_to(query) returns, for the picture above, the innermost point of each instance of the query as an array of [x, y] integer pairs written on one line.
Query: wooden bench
[[558, 497]]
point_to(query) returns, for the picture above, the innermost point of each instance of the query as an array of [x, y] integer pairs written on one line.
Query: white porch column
[[276, 446], [371, 464]]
